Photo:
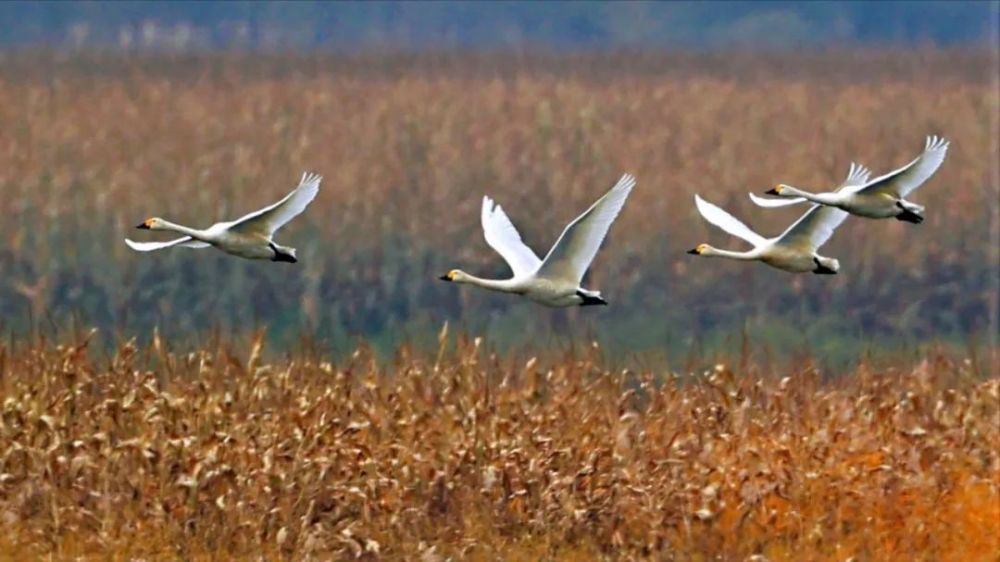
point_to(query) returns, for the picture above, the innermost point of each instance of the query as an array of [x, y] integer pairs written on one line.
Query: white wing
[[185, 242], [857, 177], [904, 180], [269, 219], [772, 203], [813, 229], [576, 247], [503, 237], [727, 222]]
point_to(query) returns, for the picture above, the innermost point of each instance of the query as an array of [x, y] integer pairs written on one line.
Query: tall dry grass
[[219, 453], [91, 145]]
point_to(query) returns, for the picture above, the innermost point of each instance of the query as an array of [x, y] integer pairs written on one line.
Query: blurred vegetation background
[[92, 144]]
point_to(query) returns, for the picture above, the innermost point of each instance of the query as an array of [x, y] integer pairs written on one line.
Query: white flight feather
[[905, 180], [185, 242], [727, 222], [577, 246], [269, 219], [503, 237]]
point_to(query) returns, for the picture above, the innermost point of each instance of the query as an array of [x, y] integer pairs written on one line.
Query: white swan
[[248, 237], [554, 281], [883, 197], [794, 250]]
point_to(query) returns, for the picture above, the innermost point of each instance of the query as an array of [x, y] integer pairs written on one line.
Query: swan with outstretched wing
[[555, 280], [251, 236]]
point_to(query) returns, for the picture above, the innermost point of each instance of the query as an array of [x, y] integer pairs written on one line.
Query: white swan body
[[554, 281], [795, 249], [248, 237], [883, 197]]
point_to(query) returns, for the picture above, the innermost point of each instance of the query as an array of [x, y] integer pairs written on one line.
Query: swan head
[[454, 276], [784, 190], [153, 223], [700, 249]]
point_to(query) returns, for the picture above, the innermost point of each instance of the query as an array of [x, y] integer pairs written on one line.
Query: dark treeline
[[489, 25]]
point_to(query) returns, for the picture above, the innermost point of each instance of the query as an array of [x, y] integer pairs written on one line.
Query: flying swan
[[795, 249], [880, 198], [554, 281], [247, 237]]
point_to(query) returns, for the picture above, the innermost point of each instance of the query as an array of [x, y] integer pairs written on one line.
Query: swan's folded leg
[[591, 298], [909, 216]]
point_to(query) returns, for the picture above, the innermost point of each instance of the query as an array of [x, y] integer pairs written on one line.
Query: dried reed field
[[408, 145], [224, 453]]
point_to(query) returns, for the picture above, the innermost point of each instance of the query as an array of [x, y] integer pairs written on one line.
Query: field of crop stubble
[[196, 444], [465, 455]]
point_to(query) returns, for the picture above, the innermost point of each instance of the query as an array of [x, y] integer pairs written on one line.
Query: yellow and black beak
[[144, 226], [694, 251], [776, 190], [445, 277]]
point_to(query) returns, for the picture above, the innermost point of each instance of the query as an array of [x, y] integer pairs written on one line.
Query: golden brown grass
[[408, 146], [217, 453]]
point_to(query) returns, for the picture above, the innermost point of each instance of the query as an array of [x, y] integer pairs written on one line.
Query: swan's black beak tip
[[444, 278], [143, 226], [694, 252], [772, 191]]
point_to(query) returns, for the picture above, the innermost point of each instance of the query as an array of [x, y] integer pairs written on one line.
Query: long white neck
[[749, 255], [821, 198], [502, 285], [192, 232]]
